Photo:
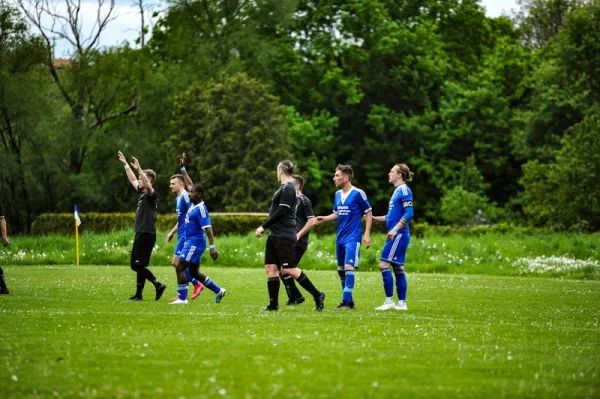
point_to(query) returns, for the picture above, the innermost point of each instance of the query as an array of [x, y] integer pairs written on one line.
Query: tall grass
[[567, 255]]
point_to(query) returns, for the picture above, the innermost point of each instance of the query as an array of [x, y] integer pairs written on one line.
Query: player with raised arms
[[144, 226]]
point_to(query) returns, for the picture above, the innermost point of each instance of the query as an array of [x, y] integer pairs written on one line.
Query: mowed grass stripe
[[68, 332]]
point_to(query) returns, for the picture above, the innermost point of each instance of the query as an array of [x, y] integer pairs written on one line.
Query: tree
[[540, 20], [21, 107], [82, 84], [235, 133], [565, 193]]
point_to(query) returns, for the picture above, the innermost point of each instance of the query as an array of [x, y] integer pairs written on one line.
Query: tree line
[[498, 114]]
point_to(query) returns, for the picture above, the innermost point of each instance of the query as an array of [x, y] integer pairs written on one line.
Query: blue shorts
[[179, 246], [192, 252], [394, 251], [348, 254]]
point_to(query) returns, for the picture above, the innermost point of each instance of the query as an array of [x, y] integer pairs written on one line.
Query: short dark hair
[[299, 181], [286, 166], [150, 174], [199, 188], [346, 169], [178, 177]]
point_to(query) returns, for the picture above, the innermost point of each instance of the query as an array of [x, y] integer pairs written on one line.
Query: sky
[[125, 27]]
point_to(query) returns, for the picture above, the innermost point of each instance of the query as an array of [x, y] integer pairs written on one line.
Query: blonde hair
[[404, 170]]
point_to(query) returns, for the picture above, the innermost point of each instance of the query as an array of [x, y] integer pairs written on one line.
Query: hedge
[[236, 224], [223, 223]]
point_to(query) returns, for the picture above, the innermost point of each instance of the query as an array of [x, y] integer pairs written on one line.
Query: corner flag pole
[[77, 223]]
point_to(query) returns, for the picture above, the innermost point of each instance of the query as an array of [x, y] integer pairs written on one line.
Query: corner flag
[[77, 220], [77, 224]]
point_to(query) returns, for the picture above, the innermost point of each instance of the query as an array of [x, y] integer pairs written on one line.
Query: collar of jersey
[[344, 198]]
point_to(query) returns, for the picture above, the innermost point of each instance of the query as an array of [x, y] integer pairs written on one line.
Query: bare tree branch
[[101, 23], [116, 115]]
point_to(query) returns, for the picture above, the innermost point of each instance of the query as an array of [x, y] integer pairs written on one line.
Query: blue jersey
[[196, 221], [400, 207], [182, 205], [350, 208]]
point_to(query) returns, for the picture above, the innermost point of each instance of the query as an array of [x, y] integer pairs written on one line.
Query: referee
[[305, 221], [280, 252], [145, 227]]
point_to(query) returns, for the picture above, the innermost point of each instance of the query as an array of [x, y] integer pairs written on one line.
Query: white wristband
[[126, 167], [212, 246]]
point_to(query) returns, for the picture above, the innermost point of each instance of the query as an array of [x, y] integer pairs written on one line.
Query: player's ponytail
[[404, 170], [287, 167]]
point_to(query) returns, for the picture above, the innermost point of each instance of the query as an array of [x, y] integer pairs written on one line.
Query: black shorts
[[301, 248], [142, 249], [281, 251]]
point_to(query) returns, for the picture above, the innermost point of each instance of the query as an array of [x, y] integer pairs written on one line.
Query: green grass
[[511, 254], [67, 332]]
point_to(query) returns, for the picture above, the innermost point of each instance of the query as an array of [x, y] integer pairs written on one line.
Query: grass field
[[68, 332], [510, 254]]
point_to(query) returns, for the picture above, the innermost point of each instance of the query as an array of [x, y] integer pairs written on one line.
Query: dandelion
[[543, 264]]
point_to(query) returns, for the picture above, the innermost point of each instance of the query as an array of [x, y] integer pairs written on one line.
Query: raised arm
[[130, 175], [146, 185], [189, 184]]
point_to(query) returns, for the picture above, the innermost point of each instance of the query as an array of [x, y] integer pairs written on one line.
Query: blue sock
[[388, 282], [401, 284], [347, 293], [189, 277], [211, 285], [182, 291]]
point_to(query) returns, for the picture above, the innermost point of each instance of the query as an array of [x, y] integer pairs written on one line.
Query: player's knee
[[384, 265], [398, 268]]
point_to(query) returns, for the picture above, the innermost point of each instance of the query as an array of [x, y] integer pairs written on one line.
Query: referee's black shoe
[[320, 302], [135, 298], [160, 290], [297, 301], [345, 306], [271, 308]]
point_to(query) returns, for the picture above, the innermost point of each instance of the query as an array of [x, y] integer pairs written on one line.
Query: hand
[[5, 242], [136, 164], [170, 237], [392, 234], [183, 160], [298, 237], [122, 158], [259, 232], [319, 220], [214, 254], [367, 241]]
